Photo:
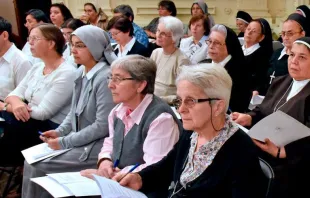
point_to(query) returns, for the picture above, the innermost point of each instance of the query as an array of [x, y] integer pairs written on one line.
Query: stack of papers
[[73, 184], [40, 152], [280, 128]]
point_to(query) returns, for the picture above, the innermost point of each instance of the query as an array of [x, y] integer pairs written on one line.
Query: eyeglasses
[[289, 33], [117, 80], [78, 45], [34, 39], [162, 34], [214, 43], [67, 34], [190, 102], [114, 33]]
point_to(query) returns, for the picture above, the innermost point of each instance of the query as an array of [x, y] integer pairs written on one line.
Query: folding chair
[[268, 172]]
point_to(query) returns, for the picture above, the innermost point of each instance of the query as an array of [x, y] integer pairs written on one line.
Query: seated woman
[[289, 94], [33, 18], [195, 47], [169, 59], [257, 51], [121, 30], [242, 21], [86, 126], [225, 51], [165, 8], [142, 128], [93, 16], [217, 159], [59, 13], [42, 100], [67, 28]]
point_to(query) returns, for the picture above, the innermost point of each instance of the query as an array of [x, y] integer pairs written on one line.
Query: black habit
[[234, 172], [292, 173]]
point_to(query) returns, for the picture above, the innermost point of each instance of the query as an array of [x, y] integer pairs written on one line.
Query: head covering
[[304, 10], [244, 16], [203, 6], [266, 43], [233, 45], [301, 21], [97, 41], [304, 40]]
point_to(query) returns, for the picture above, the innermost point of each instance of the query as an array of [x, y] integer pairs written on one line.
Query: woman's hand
[[132, 180], [270, 148], [50, 134], [241, 118], [106, 169], [53, 143], [21, 111], [89, 173], [255, 93]]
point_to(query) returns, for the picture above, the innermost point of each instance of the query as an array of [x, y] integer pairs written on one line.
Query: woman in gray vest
[[86, 125], [142, 128], [217, 159]]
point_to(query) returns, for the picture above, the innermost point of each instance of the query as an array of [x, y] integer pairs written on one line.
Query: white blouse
[[48, 96], [27, 52], [194, 52]]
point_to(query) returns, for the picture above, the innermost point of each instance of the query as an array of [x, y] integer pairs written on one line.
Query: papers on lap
[[280, 128], [73, 184], [110, 188], [40, 152]]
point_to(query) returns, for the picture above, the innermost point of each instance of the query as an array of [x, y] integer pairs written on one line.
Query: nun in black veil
[[225, 51]]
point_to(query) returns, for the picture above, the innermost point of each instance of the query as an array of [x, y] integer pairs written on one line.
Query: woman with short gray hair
[[142, 127], [169, 58], [214, 158]]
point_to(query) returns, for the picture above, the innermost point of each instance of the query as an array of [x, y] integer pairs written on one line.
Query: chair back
[[276, 45], [268, 172]]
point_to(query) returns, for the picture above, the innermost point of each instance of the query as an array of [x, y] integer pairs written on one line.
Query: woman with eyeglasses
[[67, 28], [225, 51], [142, 127], [257, 50], [289, 94], [42, 99], [215, 158], [33, 18], [86, 125], [165, 8], [294, 27], [122, 31], [169, 58]]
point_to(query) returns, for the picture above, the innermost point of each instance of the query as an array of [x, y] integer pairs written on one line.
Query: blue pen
[[116, 163], [40, 133], [229, 110], [132, 169]]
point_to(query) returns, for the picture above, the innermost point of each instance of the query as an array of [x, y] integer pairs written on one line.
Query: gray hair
[[213, 80], [174, 25], [140, 68], [220, 28]]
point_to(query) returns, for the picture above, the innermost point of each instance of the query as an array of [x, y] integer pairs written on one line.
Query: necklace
[[275, 108], [162, 68]]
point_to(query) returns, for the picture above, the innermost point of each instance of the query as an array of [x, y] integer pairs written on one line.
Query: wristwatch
[[5, 106]]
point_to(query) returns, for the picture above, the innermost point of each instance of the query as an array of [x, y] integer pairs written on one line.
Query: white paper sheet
[[40, 152], [112, 189], [256, 100], [280, 128], [243, 128], [54, 188], [69, 177]]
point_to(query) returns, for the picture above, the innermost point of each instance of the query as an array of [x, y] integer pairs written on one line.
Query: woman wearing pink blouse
[[142, 127]]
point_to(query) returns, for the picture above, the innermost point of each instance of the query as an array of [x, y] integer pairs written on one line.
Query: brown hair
[[121, 23], [52, 33], [205, 20]]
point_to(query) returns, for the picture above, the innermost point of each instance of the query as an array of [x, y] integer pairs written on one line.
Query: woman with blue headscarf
[[86, 125]]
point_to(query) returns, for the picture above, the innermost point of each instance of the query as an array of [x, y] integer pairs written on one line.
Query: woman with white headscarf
[[86, 125]]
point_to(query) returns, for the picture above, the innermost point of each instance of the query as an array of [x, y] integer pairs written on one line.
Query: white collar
[[223, 62], [250, 50], [127, 47], [9, 54], [297, 87], [93, 70], [283, 52]]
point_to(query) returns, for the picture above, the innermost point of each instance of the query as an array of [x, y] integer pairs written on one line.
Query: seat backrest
[[268, 172], [276, 45]]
